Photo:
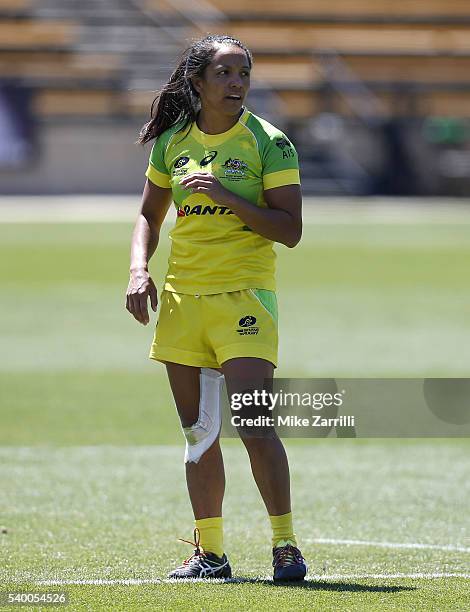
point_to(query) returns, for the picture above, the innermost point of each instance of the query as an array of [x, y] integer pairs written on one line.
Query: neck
[[211, 122]]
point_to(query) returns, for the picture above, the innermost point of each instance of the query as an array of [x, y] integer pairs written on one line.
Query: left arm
[[281, 221]]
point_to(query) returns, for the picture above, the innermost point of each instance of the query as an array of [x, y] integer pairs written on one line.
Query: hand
[[141, 287], [203, 182]]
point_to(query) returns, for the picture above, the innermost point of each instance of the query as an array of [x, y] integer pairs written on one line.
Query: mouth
[[236, 97]]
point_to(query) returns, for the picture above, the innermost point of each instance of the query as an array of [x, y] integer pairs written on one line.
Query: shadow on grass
[[318, 585]]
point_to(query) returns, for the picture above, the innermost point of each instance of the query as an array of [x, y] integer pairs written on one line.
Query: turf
[[90, 449], [373, 299], [115, 512]]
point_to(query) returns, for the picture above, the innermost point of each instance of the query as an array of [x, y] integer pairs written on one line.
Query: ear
[[196, 84]]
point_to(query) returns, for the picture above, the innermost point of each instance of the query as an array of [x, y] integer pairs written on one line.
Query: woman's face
[[225, 82]]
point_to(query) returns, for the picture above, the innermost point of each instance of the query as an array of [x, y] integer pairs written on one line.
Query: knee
[[187, 421], [201, 433], [256, 442]]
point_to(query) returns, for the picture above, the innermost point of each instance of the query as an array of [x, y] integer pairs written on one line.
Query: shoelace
[[197, 551], [287, 555]]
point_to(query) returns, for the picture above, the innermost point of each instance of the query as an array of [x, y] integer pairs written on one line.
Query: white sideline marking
[[416, 575], [141, 581], [402, 545], [447, 547]]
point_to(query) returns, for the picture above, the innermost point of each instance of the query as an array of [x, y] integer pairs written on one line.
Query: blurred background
[[375, 93]]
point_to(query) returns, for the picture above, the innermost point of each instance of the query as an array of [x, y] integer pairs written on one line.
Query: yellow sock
[[283, 531], [211, 531]]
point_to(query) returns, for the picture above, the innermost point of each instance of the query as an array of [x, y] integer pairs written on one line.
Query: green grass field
[[93, 497]]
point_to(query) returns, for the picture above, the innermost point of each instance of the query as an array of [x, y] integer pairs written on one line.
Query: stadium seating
[[87, 101], [419, 49], [346, 37], [98, 63], [12, 6], [302, 48], [283, 69], [303, 104], [55, 64], [16, 33], [76, 60], [345, 9]]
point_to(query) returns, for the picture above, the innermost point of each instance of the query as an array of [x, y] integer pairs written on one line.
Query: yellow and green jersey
[[212, 250]]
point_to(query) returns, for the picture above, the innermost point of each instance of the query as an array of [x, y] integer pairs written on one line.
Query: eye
[[222, 72], [245, 73]]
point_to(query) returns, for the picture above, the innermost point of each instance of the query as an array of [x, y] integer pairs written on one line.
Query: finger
[[199, 189], [135, 305], [196, 183], [131, 307], [144, 307], [195, 175], [153, 295], [198, 179]]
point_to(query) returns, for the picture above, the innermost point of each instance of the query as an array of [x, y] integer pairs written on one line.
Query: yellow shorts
[[207, 330]]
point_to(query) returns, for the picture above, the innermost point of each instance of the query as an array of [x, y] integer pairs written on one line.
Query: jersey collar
[[212, 140]]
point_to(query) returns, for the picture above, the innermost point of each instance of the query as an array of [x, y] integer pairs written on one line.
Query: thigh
[[251, 368], [185, 386], [247, 373]]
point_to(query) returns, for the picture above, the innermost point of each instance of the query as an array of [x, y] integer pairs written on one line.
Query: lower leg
[[206, 478], [206, 487], [268, 458], [206, 483], [270, 470]]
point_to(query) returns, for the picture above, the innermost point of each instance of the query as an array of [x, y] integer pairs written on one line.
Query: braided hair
[[178, 100]]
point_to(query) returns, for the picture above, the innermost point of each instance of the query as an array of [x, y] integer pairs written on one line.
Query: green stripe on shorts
[[268, 300]]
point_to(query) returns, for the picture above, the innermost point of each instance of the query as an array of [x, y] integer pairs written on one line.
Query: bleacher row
[[308, 52]]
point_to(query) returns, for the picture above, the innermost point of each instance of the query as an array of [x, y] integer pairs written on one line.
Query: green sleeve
[[157, 172], [280, 162]]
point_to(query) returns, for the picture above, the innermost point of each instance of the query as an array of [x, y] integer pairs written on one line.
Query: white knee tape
[[201, 435]]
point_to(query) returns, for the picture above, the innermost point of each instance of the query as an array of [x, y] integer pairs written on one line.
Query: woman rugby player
[[234, 180]]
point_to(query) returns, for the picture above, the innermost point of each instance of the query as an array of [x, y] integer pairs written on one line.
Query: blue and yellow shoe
[[288, 563], [202, 564]]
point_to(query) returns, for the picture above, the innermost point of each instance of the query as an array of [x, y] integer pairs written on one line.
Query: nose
[[236, 82]]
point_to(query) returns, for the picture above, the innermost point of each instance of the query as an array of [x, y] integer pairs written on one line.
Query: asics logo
[[208, 158], [209, 570]]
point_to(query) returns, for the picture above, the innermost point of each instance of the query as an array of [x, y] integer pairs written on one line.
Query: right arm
[[155, 204]]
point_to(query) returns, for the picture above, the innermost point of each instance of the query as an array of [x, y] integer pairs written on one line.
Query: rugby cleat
[[202, 564], [288, 563]]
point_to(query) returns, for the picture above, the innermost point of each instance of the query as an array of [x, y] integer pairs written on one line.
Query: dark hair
[[178, 100]]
